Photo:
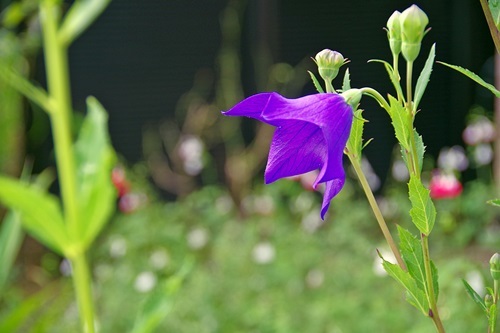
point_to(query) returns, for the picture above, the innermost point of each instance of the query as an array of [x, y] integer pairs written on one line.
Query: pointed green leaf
[[411, 251], [346, 83], [423, 212], [79, 17], [40, 212], [316, 83], [95, 159], [494, 6], [11, 235], [415, 295], [435, 281], [494, 202], [423, 79], [419, 142], [394, 78], [355, 142], [475, 296], [473, 77], [401, 121]]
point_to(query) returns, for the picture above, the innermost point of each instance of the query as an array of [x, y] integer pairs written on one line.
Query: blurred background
[[192, 179]]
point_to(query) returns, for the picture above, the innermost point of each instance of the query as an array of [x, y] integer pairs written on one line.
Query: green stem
[[329, 86], [376, 210], [395, 73], [431, 296], [376, 95], [56, 64], [83, 288], [409, 97], [495, 34]]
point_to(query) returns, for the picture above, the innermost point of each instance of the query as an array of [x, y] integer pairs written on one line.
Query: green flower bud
[[352, 97], [394, 32], [413, 21], [329, 62], [495, 266]]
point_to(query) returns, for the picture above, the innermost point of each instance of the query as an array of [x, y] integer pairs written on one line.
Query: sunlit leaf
[[401, 121], [346, 83], [423, 212], [473, 77], [355, 141], [316, 83], [411, 251], [475, 296]]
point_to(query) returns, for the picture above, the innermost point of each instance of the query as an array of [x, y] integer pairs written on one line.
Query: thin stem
[[431, 296], [83, 288], [409, 74], [495, 34], [329, 86], [395, 73], [56, 63], [376, 210], [376, 95]]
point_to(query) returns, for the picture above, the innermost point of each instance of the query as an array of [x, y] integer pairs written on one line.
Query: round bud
[[413, 21], [329, 62]]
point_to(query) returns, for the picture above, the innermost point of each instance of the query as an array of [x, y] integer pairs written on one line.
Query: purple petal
[[332, 188]]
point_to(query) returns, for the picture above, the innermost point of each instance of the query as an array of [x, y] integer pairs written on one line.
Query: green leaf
[[494, 202], [355, 142], [411, 251], [495, 11], [95, 159], [419, 142], [415, 296], [346, 83], [475, 296], [79, 17], [435, 280], [40, 212], [423, 212], [316, 83], [401, 121], [424, 76], [473, 77], [394, 78], [11, 236]]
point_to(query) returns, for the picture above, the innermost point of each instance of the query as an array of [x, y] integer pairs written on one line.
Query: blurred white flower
[[481, 130], [224, 204], [483, 154], [303, 203], [263, 204], [197, 238], [312, 221], [117, 247], [159, 259], [65, 267], [453, 158], [315, 278], [263, 253], [190, 151], [145, 281], [371, 176], [475, 280], [400, 171]]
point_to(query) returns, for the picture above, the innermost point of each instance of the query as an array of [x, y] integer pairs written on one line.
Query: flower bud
[[329, 62], [352, 97], [413, 21], [495, 266], [394, 32]]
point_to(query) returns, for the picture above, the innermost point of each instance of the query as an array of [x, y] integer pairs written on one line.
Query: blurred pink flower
[[445, 186], [481, 130]]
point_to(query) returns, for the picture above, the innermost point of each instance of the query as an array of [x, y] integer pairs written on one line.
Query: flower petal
[[332, 188]]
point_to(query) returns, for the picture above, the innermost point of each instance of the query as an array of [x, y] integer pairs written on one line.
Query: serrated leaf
[[401, 121], [473, 77], [424, 76], [394, 78], [475, 296], [316, 83], [346, 83], [411, 251], [40, 212], [95, 159], [419, 143], [494, 6], [415, 295], [494, 202], [355, 141], [423, 212]]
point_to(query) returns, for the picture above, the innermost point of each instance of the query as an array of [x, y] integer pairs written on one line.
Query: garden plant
[[312, 135]]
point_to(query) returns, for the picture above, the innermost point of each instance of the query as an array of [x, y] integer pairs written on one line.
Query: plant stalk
[[58, 82], [376, 210]]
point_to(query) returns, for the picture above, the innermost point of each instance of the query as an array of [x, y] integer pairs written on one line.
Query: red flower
[[120, 181], [445, 186]]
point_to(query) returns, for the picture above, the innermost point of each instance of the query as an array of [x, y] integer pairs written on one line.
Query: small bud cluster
[[405, 32]]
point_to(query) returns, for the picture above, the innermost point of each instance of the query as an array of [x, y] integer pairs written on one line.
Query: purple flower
[[311, 133]]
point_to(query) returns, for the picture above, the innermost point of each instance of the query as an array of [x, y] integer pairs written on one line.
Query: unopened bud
[[413, 21], [352, 97], [394, 32], [329, 62], [495, 267]]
